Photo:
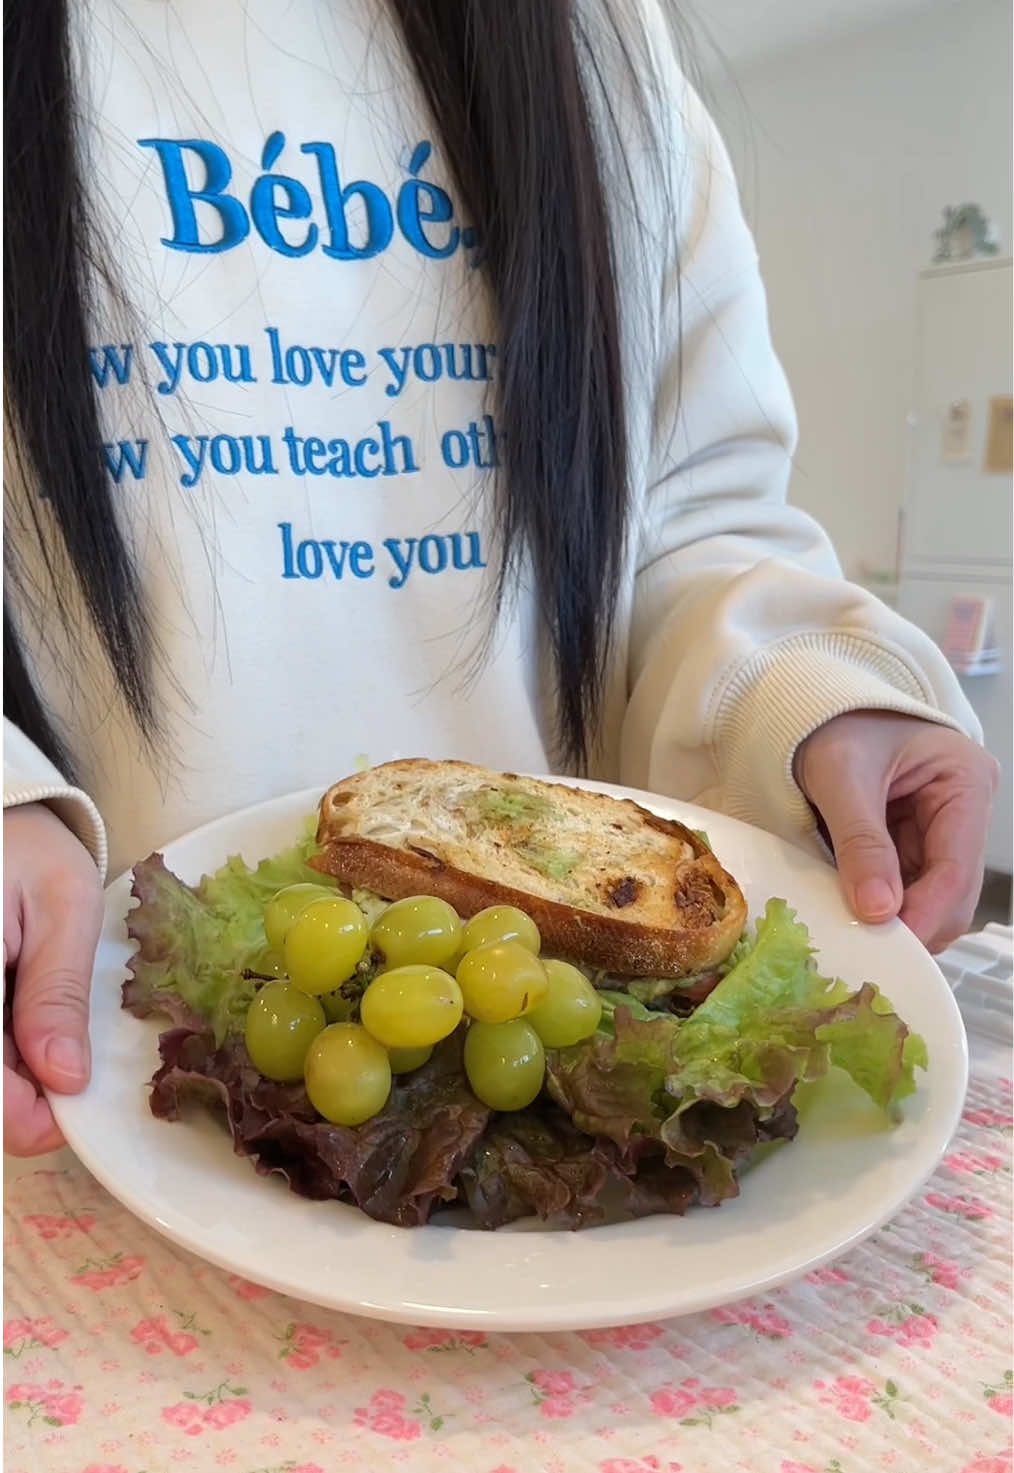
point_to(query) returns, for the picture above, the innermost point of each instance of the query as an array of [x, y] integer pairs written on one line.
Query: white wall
[[847, 154]]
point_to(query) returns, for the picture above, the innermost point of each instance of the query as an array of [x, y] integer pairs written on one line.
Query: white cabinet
[[956, 512], [924, 597], [957, 537]]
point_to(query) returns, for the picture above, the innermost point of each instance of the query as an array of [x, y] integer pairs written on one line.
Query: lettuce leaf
[[613, 1084], [193, 943], [535, 1161], [396, 1167], [712, 1087], [774, 1021]]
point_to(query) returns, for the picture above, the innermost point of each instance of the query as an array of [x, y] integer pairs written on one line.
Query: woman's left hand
[[907, 804]]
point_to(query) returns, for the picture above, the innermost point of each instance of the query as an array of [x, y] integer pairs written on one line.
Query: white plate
[[846, 1173]]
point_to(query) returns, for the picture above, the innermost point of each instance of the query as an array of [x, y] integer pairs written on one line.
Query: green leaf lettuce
[[193, 943]]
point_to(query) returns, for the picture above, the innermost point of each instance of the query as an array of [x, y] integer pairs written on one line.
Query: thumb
[[863, 848], [50, 1013]]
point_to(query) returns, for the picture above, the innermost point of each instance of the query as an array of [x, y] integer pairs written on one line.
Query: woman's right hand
[[52, 919]]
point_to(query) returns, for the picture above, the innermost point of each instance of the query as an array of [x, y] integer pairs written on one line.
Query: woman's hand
[[906, 803], [52, 918]]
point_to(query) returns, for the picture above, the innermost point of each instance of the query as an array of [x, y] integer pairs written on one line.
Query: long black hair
[[505, 85]]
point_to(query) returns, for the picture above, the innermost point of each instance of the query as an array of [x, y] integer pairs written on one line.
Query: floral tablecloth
[[124, 1354]]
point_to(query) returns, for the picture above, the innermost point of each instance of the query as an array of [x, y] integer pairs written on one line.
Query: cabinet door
[[925, 598], [955, 511]]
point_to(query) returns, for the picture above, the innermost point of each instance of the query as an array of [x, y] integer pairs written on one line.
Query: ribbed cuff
[[783, 694], [76, 810]]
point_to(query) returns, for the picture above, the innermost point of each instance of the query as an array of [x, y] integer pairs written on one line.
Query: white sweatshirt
[[299, 429]]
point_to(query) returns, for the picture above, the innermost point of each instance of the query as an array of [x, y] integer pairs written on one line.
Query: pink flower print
[[553, 1383], [64, 1408], [46, 1333], [22, 1335], [311, 1334], [650, 1464], [878, 1327], [156, 1335], [395, 1426], [939, 1270], [218, 1408], [185, 1415], [764, 1319], [695, 1405], [854, 1398], [557, 1406], [990, 1119], [907, 1324], [556, 1393], [970, 1208], [423, 1339], [788, 1466], [109, 1272], [918, 1329], [243, 1289], [1001, 1398], [623, 1337], [225, 1413], [104, 1468], [303, 1345], [387, 1401], [59, 1227], [849, 1396], [54, 1403], [673, 1402], [971, 1161], [983, 1463], [385, 1415], [827, 1276], [717, 1398]]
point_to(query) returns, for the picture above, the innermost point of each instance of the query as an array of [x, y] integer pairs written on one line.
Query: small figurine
[[965, 234]]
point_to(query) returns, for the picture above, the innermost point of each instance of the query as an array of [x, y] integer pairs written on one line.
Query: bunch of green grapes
[[433, 971]]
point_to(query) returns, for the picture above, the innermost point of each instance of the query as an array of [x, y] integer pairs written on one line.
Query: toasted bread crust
[[704, 906]]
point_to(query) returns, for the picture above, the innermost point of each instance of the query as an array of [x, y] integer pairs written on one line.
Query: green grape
[[325, 943], [266, 963], [337, 1009], [501, 981], [501, 923], [418, 930], [411, 1007], [404, 1060], [347, 1074], [281, 1024], [570, 1010], [505, 1063], [283, 908]]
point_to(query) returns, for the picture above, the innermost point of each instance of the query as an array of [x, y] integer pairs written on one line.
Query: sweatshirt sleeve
[[744, 637], [30, 777]]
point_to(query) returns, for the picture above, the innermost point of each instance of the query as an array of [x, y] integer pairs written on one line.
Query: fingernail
[[875, 898], [68, 1057]]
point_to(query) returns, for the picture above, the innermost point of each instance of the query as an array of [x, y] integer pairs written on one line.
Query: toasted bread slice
[[607, 883]]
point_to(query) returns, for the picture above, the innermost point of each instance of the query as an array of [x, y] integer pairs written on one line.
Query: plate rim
[[556, 1317]]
